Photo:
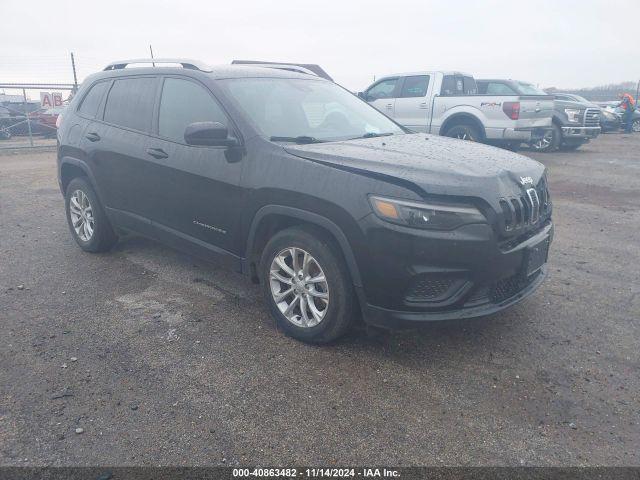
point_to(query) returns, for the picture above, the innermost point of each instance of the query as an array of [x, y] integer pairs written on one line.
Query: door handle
[[92, 136], [389, 105], [423, 105], [157, 153]]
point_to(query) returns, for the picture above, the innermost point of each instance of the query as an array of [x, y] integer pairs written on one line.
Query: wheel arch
[[463, 118], [71, 168], [270, 219]]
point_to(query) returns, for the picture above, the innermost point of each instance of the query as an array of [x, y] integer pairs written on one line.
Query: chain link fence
[[26, 122]]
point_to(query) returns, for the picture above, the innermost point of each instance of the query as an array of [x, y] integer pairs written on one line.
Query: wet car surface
[[178, 362]]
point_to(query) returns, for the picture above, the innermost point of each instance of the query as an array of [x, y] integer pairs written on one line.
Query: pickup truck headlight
[[424, 215], [573, 115]]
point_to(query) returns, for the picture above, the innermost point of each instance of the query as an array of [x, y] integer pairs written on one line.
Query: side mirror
[[212, 134], [363, 95]]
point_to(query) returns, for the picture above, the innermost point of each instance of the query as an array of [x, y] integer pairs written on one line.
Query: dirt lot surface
[[161, 359]]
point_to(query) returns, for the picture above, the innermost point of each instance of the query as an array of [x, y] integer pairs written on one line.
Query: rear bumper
[[525, 134], [580, 132]]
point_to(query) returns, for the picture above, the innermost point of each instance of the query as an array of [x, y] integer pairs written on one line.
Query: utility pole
[[152, 57], [75, 76]]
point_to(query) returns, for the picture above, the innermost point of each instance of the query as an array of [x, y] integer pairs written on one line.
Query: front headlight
[[608, 115], [572, 114], [423, 215]]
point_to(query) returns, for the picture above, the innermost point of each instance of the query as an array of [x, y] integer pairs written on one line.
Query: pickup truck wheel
[[307, 285], [635, 126], [87, 221], [464, 132], [5, 134], [549, 142]]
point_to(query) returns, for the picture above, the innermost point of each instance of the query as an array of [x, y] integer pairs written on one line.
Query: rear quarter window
[[91, 101], [130, 103]]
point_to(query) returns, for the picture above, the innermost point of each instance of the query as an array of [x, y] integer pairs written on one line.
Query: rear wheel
[[464, 132], [549, 142], [307, 286], [5, 134], [87, 221], [635, 126]]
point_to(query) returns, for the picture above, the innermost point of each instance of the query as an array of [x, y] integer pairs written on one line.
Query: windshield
[[528, 89], [290, 109], [581, 99]]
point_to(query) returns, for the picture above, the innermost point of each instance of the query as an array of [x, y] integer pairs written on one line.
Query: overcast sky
[[564, 43]]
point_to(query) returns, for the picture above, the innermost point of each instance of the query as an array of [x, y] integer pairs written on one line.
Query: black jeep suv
[[334, 208]]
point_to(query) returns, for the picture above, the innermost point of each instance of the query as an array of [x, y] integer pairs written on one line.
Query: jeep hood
[[436, 165]]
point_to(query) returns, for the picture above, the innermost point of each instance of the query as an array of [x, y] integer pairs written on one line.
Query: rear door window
[[449, 86], [91, 101], [384, 89], [130, 103], [184, 102], [415, 86]]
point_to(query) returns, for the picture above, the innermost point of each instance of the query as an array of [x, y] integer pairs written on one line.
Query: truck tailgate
[[535, 111]]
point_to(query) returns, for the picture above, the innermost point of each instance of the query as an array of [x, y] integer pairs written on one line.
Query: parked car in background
[[613, 108], [46, 120], [449, 104], [336, 210], [610, 121], [575, 120]]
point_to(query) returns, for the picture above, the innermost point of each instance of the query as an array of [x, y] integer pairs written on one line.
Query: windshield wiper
[[374, 135], [301, 140]]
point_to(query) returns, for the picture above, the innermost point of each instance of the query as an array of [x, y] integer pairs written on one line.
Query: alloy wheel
[[81, 215], [544, 142], [635, 126], [299, 287]]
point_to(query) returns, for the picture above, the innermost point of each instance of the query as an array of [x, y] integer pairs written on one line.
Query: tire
[[550, 142], [102, 237], [464, 132], [337, 314], [5, 134], [635, 126]]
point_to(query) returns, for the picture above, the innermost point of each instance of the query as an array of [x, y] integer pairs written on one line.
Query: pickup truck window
[[528, 89], [495, 88], [415, 86], [384, 89], [458, 85]]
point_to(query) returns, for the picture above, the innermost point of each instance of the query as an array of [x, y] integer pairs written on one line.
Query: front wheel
[[464, 132], [5, 134], [307, 285], [549, 142]]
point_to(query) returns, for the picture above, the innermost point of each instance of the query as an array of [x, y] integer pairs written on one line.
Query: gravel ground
[[163, 360]]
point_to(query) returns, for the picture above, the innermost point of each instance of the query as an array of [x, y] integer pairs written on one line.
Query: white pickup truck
[[448, 103]]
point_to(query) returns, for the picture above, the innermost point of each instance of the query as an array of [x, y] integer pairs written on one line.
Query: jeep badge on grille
[[526, 180]]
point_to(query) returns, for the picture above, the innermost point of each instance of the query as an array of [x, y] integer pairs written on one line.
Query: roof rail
[[185, 62], [306, 68]]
